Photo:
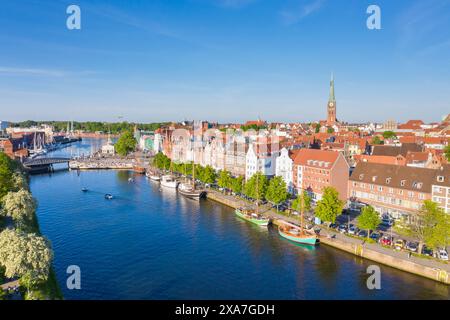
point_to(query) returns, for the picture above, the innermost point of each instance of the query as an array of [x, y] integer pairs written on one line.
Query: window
[[440, 179], [388, 180], [361, 176], [374, 178], [402, 183], [380, 188]]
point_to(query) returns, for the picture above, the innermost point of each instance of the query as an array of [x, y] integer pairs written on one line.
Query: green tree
[[447, 152], [389, 135], [256, 186], [297, 203], [20, 206], [369, 219], [276, 191], [7, 167], [125, 144], [19, 181], [317, 128], [237, 184], [330, 130], [25, 254], [330, 206], [430, 226], [376, 140], [207, 174], [224, 180], [161, 161]]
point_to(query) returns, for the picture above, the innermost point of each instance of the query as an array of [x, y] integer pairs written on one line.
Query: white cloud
[[301, 10], [41, 72]]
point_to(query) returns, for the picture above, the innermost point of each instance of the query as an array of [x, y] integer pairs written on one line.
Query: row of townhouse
[[399, 191]]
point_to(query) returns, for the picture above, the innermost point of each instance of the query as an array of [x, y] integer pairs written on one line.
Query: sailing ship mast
[[302, 210]]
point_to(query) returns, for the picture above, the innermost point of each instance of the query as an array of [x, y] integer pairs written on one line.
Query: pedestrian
[[409, 255]]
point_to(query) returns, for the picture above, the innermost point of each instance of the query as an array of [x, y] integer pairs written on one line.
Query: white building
[[108, 148], [284, 167], [157, 143], [260, 158]]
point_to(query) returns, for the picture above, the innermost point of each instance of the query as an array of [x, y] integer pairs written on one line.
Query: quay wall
[[363, 251]]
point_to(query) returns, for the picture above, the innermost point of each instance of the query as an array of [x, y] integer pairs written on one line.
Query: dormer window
[[388, 180], [402, 183], [374, 178], [440, 178], [361, 176]]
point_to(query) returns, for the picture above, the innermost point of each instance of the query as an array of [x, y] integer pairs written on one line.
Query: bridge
[[41, 165], [44, 162]]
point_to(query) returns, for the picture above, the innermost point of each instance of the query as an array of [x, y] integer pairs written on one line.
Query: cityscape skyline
[[148, 63]]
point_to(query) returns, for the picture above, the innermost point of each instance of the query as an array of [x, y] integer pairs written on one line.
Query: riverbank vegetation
[[25, 255], [89, 126]]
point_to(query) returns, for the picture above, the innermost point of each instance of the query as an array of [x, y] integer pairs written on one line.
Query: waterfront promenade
[[429, 268]]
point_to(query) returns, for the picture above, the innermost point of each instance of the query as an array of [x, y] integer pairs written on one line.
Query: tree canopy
[[389, 134], [225, 179], [256, 186], [330, 206], [447, 152], [7, 167], [369, 219], [430, 226], [125, 144], [276, 191], [25, 253], [297, 203], [20, 206]]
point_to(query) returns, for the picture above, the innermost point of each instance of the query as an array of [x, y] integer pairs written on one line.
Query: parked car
[[362, 234], [333, 226], [399, 244], [386, 241], [375, 236], [352, 229], [412, 246], [427, 251], [387, 222], [342, 228], [442, 254]]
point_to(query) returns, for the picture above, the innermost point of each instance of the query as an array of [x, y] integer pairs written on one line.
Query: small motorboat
[[84, 189], [108, 196], [130, 180]]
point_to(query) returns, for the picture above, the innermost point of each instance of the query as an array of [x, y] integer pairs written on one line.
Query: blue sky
[[224, 60]]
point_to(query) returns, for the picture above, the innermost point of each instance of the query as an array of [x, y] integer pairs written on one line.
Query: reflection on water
[[151, 243]]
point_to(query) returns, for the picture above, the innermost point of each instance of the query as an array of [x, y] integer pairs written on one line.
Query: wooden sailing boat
[[299, 235], [188, 190], [169, 181], [251, 215]]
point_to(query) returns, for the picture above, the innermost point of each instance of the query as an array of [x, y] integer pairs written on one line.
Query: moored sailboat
[[252, 216], [169, 181], [298, 234]]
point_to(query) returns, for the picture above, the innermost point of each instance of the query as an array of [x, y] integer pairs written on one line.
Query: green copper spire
[[332, 98]]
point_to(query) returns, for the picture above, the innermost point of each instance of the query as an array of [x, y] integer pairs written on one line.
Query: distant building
[[108, 148], [390, 125], [4, 125], [331, 106]]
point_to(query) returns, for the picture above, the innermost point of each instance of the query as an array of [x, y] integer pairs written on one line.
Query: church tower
[[331, 108]]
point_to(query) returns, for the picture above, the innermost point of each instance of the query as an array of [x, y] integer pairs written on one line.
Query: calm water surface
[[151, 243]]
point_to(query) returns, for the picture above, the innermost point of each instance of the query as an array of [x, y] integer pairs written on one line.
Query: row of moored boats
[[187, 188]]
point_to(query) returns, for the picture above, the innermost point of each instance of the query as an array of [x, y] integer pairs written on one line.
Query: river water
[[151, 243]]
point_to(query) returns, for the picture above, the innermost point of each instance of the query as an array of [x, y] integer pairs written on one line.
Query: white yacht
[[169, 182]]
